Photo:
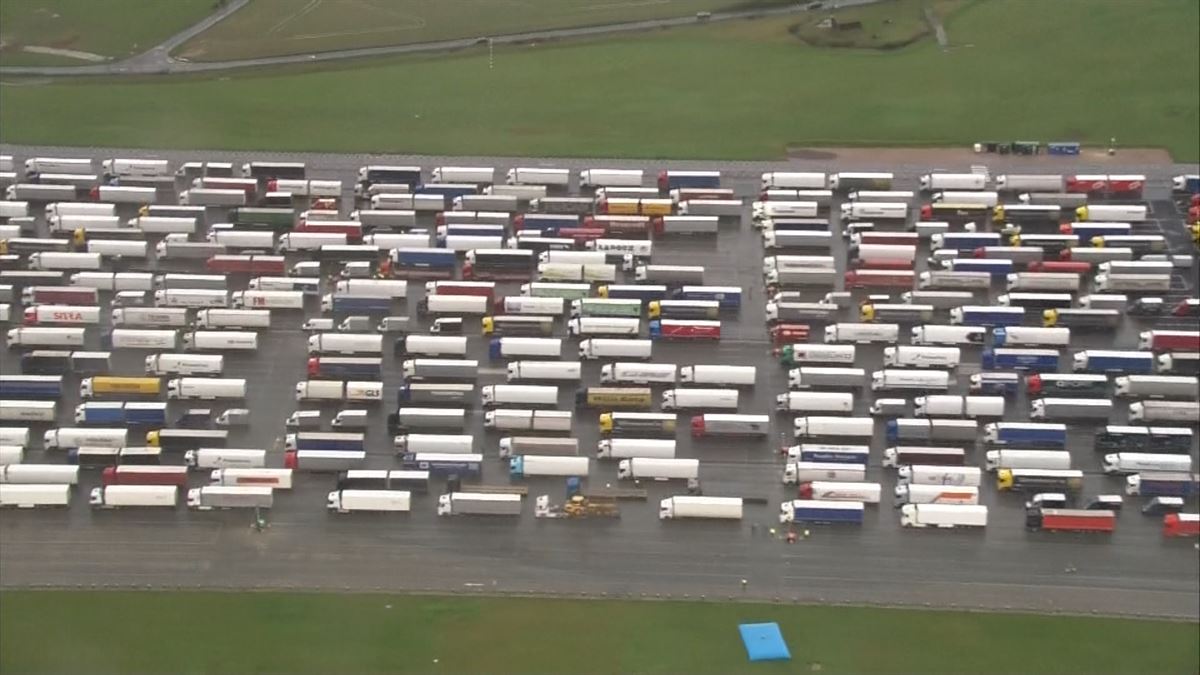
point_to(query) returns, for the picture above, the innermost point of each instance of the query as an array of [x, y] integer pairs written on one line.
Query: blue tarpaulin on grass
[[764, 642]]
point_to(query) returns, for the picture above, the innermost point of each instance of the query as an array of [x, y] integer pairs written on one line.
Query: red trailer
[[676, 329], [620, 226], [63, 295], [1181, 525], [145, 475], [1073, 520], [1171, 340], [880, 278], [1069, 266], [729, 425], [1087, 184], [485, 288], [581, 234], [788, 333], [1127, 186], [352, 230], [274, 265]]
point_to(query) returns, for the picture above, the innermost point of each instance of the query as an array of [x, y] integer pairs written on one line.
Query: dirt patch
[[965, 156]]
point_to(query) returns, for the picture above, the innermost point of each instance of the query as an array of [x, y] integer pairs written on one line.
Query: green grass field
[[269, 28], [885, 25], [1026, 70], [180, 632], [111, 28]]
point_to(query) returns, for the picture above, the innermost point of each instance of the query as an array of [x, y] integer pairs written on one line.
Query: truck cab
[[319, 325], [447, 326]]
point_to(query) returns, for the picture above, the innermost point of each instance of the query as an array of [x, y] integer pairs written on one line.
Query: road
[[158, 60], [1135, 571]]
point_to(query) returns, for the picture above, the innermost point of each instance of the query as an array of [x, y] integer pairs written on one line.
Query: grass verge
[[111, 28], [744, 90], [282, 27], [198, 632]]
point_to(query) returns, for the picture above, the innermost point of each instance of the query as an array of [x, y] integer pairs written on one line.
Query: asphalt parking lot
[[1133, 571]]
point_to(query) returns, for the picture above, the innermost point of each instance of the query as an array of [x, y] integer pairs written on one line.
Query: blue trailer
[[816, 511], [31, 386], [727, 297], [357, 304], [834, 454], [545, 222], [1102, 361], [998, 384], [965, 241], [997, 267], [1186, 485], [447, 190], [423, 263], [127, 413], [1085, 230], [1026, 434], [673, 180], [987, 315], [324, 440], [444, 464], [1008, 358]]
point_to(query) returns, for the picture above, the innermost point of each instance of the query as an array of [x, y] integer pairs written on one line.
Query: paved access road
[[1134, 571]]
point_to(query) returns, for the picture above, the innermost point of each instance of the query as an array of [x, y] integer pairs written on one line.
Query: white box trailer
[[122, 248], [29, 496], [815, 402], [350, 501], [542, 421], [807, 377], [375, 288], [637, 373], [212, 197], [338, 390], [46, 474], [874, 211], [108, 281], [515, 347], [62, 314], [121, 496], [1158, 386], [815, 426], [135, 168], [143, 338], [922, 474], [598, 178], [935, 494], [463, 174], [565, 371], [56, 260], [436, 345], [206, 388], [229, 497], [905, 356], [459, 444], [78, 437], [220, 340], [938, 334], [263, 299], [700, 399], [225, 458], [518, 395], [729, 376], [628, 448], [75, 209], [11, 454], [1027, 459], [454, 305], [192, 298], [528, 466], [279, 479], [172, 317], [537, 176], [1029, 182], [1185, 412], [29, 412], [953, 181], [841, 491], [348, 343], [614, 348], [39, 165], [47, 337], [943, 515], [946, 405], [232, 318], [795, 473], [862, 333], [891, 379], [18, 436], [728, 508], [649, 468], [478, 504], [793, 180], [1137, 462], [185, 364]]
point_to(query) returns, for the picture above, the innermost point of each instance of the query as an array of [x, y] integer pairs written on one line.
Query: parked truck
[[728, 508], [479, 504]]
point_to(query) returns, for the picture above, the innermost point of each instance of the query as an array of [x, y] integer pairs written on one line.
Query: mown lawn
[[1021, 70], [199, 632], [275, 27], [112, 28]]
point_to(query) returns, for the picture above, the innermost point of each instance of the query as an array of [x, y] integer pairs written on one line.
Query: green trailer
[[263, 218], [605, 307], [571, 292]]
